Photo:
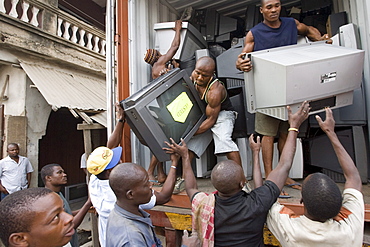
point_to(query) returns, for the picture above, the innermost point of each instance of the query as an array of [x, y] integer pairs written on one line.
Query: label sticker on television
[[328, 77], [180, 107]]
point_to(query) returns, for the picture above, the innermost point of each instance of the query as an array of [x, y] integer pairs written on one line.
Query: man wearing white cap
[[100, 164]]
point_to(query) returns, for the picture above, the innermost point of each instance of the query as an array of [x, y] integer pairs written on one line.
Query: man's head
[[204, 70], [321, 197], [228, 177], [54, 175], [151, 56], [34, 217], [270, 10], [102, 160], [13, 150], [130, 183]]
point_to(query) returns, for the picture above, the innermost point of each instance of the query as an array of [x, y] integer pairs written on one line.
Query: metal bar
[[123, 70]]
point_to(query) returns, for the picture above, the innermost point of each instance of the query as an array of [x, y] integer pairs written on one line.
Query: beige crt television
[[323, 74]]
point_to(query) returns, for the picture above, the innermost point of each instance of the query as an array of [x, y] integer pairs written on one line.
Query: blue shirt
[[127, 229], [266, 37]]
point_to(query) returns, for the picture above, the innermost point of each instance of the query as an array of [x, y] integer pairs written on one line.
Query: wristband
[[174, 167], [293, 129], [121, 120]]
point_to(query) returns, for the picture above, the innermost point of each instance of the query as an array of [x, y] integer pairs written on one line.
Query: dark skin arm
[[161, 63], [244, 63], [312, 33], [214, 97], [29, 176], [116, 136], [280, 173], [353, 179], [79, 215], [2, 189], [256, 147], [190, 181], [165, 194]]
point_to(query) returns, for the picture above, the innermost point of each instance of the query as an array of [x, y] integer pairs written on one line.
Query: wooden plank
[[94, 126]]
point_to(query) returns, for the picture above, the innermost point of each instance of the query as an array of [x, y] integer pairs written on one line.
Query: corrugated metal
[[66, 87], [100, 118], [232, 8]]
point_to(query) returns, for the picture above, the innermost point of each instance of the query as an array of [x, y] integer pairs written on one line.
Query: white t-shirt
[[346, 229], [83, 160], [13, 175], [103, 199]]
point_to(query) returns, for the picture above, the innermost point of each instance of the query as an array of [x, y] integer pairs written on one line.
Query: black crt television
[[168, 107]]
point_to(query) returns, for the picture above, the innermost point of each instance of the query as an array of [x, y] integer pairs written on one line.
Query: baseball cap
[[103, 158]]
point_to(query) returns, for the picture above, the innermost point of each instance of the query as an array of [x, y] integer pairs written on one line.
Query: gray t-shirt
[[127, 229]]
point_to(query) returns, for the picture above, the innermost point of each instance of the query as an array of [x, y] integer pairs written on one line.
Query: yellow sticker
[[180, 107]]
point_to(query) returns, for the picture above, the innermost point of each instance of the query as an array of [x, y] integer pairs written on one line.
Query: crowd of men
[[232, 215]]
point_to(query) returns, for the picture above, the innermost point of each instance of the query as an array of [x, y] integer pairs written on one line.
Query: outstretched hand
[[328, 125], [173, 147], [178, 25], [120, 114], [255, 146], [296, 119]]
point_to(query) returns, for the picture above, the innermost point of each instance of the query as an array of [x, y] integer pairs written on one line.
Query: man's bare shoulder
[[216, 92]]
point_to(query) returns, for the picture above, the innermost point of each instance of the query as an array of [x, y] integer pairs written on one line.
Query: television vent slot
[[234, 83], [321, 104], [276, 112]]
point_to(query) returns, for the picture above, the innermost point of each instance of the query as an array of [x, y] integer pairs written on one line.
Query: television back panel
[[226, 62], [168, 107], [190, 39], [325, 75]]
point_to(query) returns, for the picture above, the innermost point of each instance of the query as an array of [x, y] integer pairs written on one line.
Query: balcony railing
[[67, 26]]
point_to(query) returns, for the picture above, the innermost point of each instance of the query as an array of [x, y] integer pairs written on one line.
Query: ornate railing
[[68, 27]]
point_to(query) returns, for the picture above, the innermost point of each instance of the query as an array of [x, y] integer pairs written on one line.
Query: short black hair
[[226, 176], [16, 211], [12, 144], [47, 170], [321, 197], [263, 1]]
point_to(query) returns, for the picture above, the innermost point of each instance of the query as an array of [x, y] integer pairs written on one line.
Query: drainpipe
[[110, 69], [123, 69]]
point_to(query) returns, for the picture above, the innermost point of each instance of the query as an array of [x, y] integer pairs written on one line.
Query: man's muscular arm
[[311, 32], [244, 64], [214, 97]]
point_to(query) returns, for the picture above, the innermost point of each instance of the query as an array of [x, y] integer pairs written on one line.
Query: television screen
[[168, 107]]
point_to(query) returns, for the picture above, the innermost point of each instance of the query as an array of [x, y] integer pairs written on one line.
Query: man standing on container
[[273, 31], [220, 113]]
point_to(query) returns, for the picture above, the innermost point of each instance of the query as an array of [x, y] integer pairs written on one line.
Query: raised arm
[[280, 173], [353, 179], [165, 194], [243, 63], [116, 136], [79, 215], [255, 147], [174, 46], [190, 181]]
